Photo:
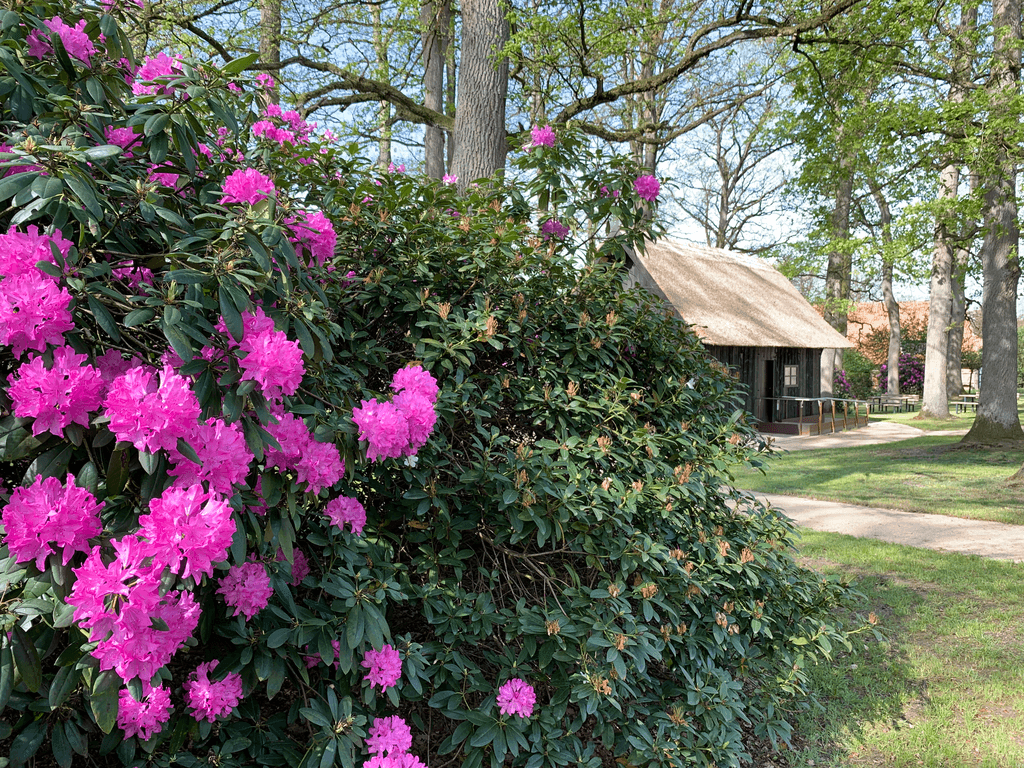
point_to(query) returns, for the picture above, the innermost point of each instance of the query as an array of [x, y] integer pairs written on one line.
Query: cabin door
[[769, 390]]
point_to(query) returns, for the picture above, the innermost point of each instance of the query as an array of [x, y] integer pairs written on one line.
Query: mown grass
[[946, 687], [932, 474]]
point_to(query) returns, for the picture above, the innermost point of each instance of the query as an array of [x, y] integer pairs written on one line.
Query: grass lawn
[[932, 474], [913, 419], [946, 688]]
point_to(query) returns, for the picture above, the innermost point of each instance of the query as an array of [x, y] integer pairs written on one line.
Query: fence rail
[[811, 410]]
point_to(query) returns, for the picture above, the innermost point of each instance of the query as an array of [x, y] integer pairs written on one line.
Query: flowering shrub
[[911, 374], [293, 480]]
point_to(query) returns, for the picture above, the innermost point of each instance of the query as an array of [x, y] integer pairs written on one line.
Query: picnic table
[[898, 403], [966, 401]]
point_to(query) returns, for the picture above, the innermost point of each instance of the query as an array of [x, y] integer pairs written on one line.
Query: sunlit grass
[[932, 474], [946, 688]]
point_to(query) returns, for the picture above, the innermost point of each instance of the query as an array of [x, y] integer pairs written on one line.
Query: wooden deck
[[809, 425]]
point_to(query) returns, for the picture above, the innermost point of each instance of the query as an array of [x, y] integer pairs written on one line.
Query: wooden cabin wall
[[751, 365]]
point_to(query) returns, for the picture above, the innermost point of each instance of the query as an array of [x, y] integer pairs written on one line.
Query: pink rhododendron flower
[[346, 509], [111, 365], [63, 394], [516, 697], [449, 178], [246, 588], [190, 526], [21, 251], [415, 380], [392, 168], [223, 453], [542, 137], [34, 312], [210, 699], [265, 80], [420, 417], [134, 277], [122, 137], [315, 237], [48, 517], [74, 39], [154, 68], [271, 359], [647, 187], [247, 186], [300, 565], [38, 45], [553, 228], [397, 760], [389, 735], [149, 415], [383, 426], [144, 718], [119, 601], [164, 178], [317, 464], [384, 667]]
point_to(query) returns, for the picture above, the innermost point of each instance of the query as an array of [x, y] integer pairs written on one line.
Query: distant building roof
[[732, 299], [868, 317]]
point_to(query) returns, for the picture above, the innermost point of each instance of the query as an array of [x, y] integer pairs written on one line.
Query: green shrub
[[860, 373], [566, 524]]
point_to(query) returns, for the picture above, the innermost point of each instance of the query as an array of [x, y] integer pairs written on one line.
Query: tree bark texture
[[435, 20], [480, 139], [935, 401], [958, 315], [997, 419], [270, 42], [892, 307], [839, 274]]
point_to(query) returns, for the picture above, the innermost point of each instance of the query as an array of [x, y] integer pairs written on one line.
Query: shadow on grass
[[872, 687]]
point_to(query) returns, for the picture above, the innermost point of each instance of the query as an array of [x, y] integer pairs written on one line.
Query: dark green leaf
[[13, 184], [104, 318], [64, 682], [240, 64], [84, 192], [182, 346], [117, 471], [102, 152], [138, 317], [60, 746], [27, 658], [27, 743], [279, 637], [103, 700]]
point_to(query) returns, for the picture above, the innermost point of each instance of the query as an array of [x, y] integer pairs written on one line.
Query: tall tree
[[997, 417], [435, 20], [943, 289], [479, 134]]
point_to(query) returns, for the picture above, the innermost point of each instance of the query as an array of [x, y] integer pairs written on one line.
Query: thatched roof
[[732, 299]]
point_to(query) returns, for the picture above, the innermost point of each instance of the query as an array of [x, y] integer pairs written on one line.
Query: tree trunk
[[384, 111], [935, 402], [958, 313], [839, 275], [435, 19], [892, 307], [997, 418], [480, 143], [270, 43]]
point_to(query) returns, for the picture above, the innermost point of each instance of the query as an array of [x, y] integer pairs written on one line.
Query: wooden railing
[[849, 411]]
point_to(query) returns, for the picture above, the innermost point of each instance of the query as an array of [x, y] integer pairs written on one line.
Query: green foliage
[[860, 373], [567, 524]]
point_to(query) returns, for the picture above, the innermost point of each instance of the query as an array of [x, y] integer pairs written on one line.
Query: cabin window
[[790, 375]]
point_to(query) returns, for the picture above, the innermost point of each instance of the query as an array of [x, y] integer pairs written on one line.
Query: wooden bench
[[896, 402], [962, 405]]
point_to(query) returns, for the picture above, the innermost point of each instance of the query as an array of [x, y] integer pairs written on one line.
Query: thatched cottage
[[749, 316]]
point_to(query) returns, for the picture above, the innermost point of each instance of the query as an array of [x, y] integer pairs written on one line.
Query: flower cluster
[[155, 68], [34, 309], [246, 588], [647, 187], [210, 699], [346, 509], [188, 529], [247, 186], [48, 517], [389, 742], [314, 237], [399, 427], [75, 40], [384, 667], [553, 228], [516, 697], [151, 412], [63, 394], [317, 464], [542, 137], [147, 716], [270, 358]]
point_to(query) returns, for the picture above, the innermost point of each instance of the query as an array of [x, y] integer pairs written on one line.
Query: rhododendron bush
[[307, 463]]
